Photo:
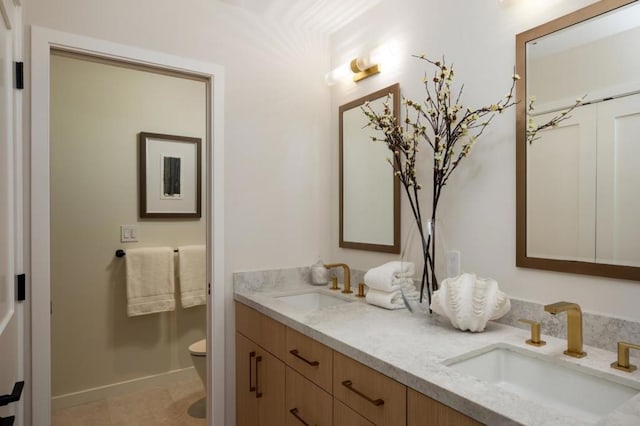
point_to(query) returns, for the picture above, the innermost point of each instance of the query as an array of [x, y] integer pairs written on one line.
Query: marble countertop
[[412, 349]]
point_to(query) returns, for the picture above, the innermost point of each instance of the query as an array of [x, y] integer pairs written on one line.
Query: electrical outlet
[[128, 233], [453, 263]]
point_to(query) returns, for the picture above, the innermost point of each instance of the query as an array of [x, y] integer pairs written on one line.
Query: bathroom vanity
[[307, 355], [284, 377]]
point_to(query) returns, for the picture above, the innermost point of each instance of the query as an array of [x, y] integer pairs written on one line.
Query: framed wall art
[[170, 176]]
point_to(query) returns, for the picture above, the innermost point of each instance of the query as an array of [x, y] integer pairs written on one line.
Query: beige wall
[[97, 110]]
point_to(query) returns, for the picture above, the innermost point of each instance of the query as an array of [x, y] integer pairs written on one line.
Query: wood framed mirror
[[578, 199], [369, 192]]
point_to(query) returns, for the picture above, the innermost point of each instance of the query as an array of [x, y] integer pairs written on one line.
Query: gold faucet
[[347, 275], [623, 357], [574, 326]]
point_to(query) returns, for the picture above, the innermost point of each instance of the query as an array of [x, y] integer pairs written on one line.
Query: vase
[[422, 246]]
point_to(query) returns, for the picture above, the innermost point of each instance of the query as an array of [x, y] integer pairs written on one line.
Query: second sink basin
[[312, 300], [549, 382]]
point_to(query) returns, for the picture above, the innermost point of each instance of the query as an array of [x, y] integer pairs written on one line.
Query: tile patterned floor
[[178, 404]]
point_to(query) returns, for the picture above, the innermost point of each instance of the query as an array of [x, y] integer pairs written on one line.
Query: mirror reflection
[[369, 194], [582, 202]]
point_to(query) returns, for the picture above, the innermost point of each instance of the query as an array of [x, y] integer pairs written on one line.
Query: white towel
[[385, 299], [409, 289], [192, 272], [390, 276], [150, 286]]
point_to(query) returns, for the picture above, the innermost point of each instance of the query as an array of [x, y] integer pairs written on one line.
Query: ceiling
[[316, 15]]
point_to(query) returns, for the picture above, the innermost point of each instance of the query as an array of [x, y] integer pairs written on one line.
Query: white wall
[[276, 115], [478, 205]]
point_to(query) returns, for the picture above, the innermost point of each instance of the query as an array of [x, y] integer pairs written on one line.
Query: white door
[[561, 188], [618, 176], [10, 309]]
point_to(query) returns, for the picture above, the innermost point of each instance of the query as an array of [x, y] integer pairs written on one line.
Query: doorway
[[121, 363], [44, 42]]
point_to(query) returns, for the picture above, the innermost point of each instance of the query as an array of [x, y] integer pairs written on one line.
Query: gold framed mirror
[[577, 203], [369, 192]]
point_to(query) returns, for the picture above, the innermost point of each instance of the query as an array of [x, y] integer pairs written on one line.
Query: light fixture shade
[[337, 74]]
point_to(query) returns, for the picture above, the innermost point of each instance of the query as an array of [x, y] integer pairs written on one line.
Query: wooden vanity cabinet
[[306, 403], [260, 375], [286, 378], [424, 411], [345, 416], [378, 398], [310, 358]]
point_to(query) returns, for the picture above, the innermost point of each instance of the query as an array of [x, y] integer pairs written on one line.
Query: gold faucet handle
[[535, 333], [361, 287], [334, 283], [623, 357]]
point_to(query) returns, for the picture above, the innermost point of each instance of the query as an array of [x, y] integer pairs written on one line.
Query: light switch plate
[[128, 233]]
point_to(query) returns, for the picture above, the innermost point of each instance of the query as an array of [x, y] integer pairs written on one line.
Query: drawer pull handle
[[295, 353], [251, 387], [349, 385], [294, 412], [258, 361]]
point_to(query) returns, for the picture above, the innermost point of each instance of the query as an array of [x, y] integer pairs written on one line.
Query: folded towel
[[409, 289], [192, 272], [389, 276], [385, 299], [150, 286]]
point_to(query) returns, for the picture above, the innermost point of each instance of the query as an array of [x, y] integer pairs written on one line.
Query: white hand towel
[[150, 286], [409, 289], [389, 275], [192, 273], [385, 299]]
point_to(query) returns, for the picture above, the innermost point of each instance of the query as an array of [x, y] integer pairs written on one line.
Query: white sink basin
[[312, 300], [565, 386]]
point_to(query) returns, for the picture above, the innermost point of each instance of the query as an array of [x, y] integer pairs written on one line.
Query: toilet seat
[[199, 348]]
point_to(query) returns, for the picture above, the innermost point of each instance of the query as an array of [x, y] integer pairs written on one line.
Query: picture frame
[[170, 176]]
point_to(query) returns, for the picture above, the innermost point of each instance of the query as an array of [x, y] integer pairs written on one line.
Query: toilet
[[198, 351]]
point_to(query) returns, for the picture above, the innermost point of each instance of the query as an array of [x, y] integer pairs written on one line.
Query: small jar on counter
[[319, 274]]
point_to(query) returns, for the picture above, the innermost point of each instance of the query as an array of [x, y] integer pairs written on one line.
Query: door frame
[[11, 17], [42, 41]]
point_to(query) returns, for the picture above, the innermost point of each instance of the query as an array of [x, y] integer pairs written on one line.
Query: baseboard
[[103, 392]]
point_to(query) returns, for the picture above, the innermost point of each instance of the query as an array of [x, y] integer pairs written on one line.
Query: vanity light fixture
[[361, 68], [364, 66]]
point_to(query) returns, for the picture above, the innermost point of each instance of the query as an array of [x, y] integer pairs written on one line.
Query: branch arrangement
[[532, 129], [449, 129]]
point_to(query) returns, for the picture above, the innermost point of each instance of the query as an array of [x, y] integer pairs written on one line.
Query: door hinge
[[14, 396], [7, 421], [208, 288], [21, 292], [19, 70]]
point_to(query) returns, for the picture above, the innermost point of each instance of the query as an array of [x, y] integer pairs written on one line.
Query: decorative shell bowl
[[470, 302]]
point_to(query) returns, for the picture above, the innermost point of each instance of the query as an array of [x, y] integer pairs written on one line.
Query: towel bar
[[122, 253]]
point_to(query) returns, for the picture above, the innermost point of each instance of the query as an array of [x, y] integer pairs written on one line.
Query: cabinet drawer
[[345, 416], [264, 331], [306, 403], [311, 359], [373, 395], [424, 411]]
